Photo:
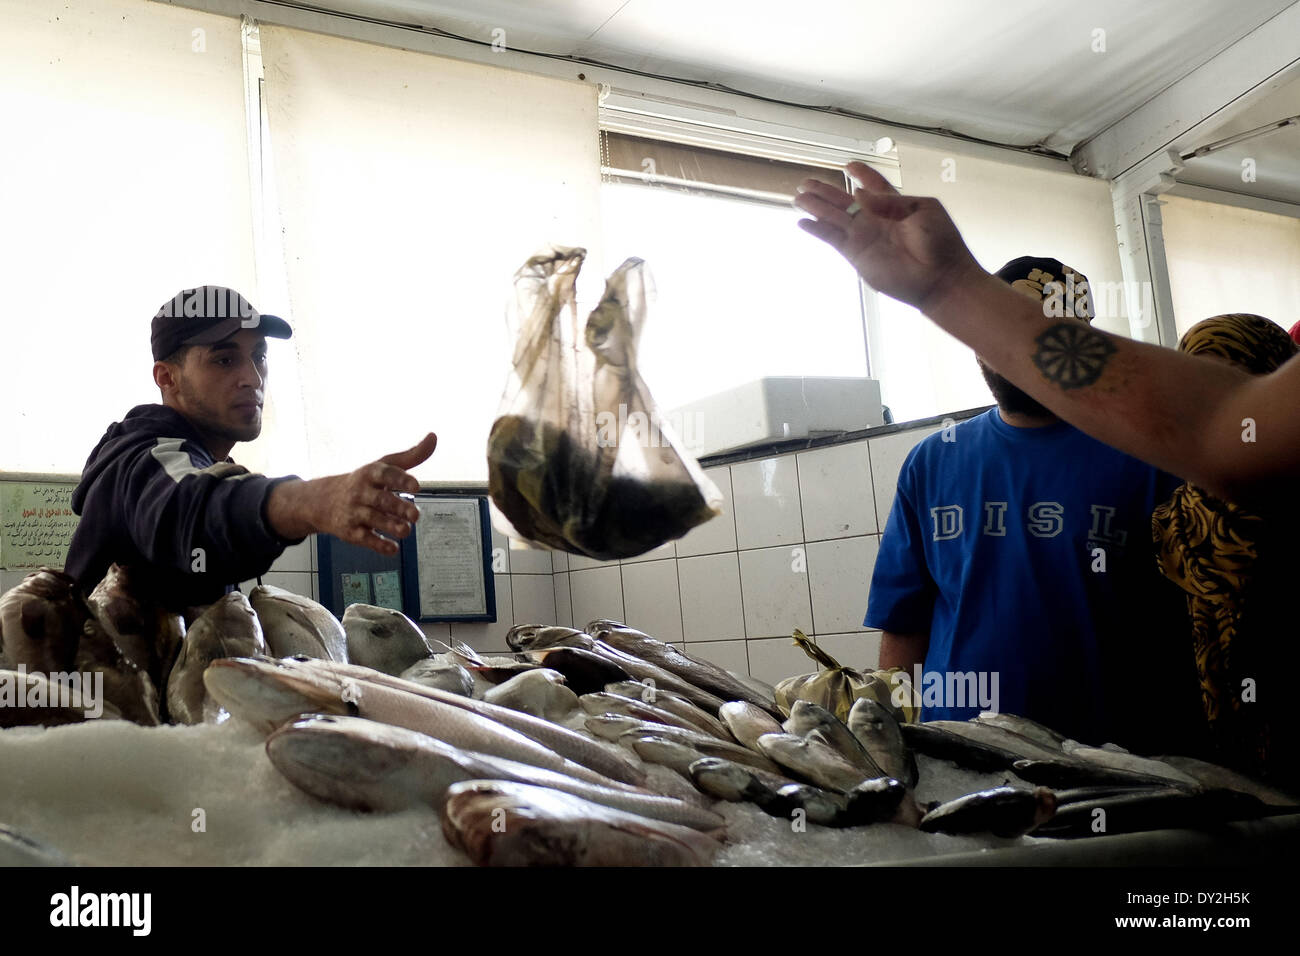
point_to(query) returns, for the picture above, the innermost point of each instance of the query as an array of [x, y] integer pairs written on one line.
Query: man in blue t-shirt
[[1016, 564]]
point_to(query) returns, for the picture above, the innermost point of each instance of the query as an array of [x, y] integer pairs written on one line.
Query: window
[[742, 292], [410, 188], [123, 179]]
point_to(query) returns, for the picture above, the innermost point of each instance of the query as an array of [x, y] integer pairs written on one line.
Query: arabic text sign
[[36, 524]]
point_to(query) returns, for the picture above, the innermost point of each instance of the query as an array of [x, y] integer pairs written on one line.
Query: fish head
[[267, 693], [529, 637], [233, 620], [720, 769], [523, 637], [611, 726], [802, 719], [345, 760], [869, 715]]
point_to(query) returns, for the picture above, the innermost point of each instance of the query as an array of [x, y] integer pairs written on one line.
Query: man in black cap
[[1018, 551], [160, 493]]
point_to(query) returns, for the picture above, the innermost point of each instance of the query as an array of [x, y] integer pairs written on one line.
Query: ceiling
[[1018, 72], [1275, 155]]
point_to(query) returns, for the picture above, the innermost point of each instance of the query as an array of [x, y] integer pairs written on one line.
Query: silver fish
[[364, 765], [747, 723], [40, 622], [645, 671], [383, 638], [821, 807], [440, 673], [773, 795], [1085, 773], [812, 758], [540, 692], [511, 824], [536, 637], [229, 628], [725, 780], [1002, 811], [672, 702], [127, 689], [626, 730], [1212, 776], [880, 800], [1167, 808], [699, 673], [1134, 764], [878, 732], [125, 619], [663, 752], [806, 717], [985, 732], [1025, 727], [565, 742], [294, 624], [946, 745], [585, 671], [607, 703], [269, 693]]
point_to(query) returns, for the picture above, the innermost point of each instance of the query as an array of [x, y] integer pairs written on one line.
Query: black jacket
[[152, 497]]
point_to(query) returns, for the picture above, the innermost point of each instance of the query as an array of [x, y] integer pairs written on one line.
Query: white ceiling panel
[[1274, 156], [1020, 72]]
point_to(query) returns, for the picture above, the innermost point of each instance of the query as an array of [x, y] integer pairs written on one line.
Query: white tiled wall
[[795, 546]]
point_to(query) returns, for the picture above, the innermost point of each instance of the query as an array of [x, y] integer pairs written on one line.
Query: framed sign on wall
[[447, 562], [442, 573]]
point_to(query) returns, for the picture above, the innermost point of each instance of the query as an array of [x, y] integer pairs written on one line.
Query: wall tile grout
[[871, 476]]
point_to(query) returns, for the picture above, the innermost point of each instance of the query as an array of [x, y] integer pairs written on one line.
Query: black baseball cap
[[207, 315], [1033, 275]]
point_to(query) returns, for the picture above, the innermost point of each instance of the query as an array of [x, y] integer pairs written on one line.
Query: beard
[[1010, 398], [208, 420]]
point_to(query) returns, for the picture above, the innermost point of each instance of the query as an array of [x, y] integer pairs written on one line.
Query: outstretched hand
[[357, 507], [904, 246]]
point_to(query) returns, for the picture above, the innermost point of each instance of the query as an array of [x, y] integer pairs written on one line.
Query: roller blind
[[1228, 259], [410, 189], [636, 159], [1004, 211], [123, 178]]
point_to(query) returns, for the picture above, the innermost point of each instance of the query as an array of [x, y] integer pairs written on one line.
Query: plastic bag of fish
[[580, 459], [837, 687]]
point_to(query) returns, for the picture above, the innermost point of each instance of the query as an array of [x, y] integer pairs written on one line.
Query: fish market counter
[[114, 793]]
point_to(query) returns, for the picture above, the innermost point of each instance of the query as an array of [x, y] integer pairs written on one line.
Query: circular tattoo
[[1072, 355]]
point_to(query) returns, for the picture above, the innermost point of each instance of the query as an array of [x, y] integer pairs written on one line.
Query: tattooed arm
[[1234, 434]]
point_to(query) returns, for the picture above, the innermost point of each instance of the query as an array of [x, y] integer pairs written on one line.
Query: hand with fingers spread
[[357, 507], [904, 246]]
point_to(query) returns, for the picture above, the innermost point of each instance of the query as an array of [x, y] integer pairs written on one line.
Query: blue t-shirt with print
[[1019, 551]]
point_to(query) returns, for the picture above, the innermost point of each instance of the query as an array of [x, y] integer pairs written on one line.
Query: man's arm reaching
[[356, 507], [1232, 433]]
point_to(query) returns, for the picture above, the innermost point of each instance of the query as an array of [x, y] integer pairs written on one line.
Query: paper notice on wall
[[355, 588], [36, 524], [388, 589], [449, 551]]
